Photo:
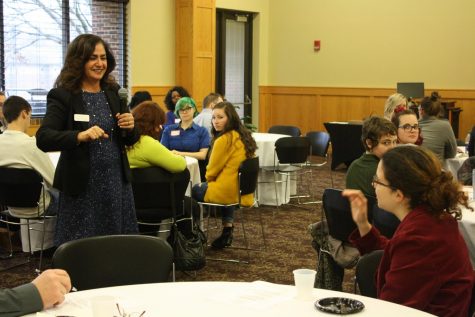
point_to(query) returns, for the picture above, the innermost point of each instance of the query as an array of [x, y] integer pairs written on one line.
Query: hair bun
[[434, 96]]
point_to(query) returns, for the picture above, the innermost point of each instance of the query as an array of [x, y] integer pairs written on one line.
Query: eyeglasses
[[185, 109], [122, 312], [408, 128], [377, 181]]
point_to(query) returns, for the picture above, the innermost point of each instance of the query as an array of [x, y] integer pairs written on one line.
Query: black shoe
[[225, 239]]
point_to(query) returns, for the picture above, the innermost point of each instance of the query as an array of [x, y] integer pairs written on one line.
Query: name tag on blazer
[[81, 117], [175, 133]]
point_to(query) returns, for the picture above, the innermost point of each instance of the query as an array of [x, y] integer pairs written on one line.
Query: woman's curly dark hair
[[148, 116], [235, 123], [79, 52], [418, 174], [168, 98]]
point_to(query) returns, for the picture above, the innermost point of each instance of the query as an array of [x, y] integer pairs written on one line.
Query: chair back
[[292, 150], [114, 260], [366, 273], [158, 193], [248, 173], [20, 187], [384, 221], [346, 142], [285, 129], [319, 142], [337, 211]]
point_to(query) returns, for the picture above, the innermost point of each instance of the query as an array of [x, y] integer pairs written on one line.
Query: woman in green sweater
[[148, 151]]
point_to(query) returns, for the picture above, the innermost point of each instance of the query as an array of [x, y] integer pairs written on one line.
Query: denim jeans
[[198, 192]]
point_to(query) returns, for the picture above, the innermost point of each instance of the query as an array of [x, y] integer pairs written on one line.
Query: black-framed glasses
[[377, 181], [408, 128], [186, 109]]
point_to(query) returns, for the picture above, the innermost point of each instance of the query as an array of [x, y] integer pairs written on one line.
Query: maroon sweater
[[425, 265]]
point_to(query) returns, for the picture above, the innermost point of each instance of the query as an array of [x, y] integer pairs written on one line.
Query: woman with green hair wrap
[[186, 138]]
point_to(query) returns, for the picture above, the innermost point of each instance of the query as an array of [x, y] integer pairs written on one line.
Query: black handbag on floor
[[189, 252]]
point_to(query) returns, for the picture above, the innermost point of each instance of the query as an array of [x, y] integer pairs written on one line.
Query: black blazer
[[58, 132]]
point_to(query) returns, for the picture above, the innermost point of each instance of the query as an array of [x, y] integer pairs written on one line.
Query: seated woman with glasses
[[408, 131], [232, 144], [438, 134], [186, 138], [425, 264]]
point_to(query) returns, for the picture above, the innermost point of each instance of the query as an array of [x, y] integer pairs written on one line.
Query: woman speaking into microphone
[[84, 121]]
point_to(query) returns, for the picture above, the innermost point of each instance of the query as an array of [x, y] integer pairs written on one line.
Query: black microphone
[[123, 95]]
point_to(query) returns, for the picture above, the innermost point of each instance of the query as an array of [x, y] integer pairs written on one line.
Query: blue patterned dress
[[107, 206]]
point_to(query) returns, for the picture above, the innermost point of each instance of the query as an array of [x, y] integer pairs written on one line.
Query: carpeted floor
[[288, 243]]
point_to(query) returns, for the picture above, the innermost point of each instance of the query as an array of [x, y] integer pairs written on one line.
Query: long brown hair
[[235, 123], [418, 173], [79, 52], [148, 117]]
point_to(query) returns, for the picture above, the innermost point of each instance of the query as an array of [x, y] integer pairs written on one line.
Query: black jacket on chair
[[59, 131]]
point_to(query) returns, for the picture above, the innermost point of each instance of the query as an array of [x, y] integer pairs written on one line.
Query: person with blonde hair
[[425, 265], [395, 101]]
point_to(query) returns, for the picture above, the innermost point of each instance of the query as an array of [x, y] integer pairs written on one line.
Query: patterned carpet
[[288, 243]]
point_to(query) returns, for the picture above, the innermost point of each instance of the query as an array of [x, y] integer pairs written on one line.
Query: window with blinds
[[35, 35]]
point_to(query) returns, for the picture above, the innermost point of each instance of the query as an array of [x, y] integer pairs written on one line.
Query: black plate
[[339, 305]]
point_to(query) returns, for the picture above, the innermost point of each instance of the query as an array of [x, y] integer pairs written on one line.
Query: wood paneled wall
[[195, 43], [309, 107], [158, 93]]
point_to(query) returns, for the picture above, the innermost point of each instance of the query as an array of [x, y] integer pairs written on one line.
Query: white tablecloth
[[218, 299], [191, 164], [265, 151]]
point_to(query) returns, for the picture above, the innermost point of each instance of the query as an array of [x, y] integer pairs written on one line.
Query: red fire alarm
[[316, 45]]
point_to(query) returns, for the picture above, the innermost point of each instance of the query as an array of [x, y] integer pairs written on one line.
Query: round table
[[266, 189], [231, 299]]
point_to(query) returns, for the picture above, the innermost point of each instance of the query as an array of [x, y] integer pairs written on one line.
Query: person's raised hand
[[52, 286], [91, 134], [359, 209]]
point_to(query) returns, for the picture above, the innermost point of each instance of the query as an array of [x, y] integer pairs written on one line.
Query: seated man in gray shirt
[[204, 118]]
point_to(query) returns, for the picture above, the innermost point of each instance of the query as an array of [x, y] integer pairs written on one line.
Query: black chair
[[291, 155], [366, 273], [319, 142], [285, 129], [159, 195], [384, 221], [247, 184], [23, 188], [337, 212], [115, 260], [346, 142]]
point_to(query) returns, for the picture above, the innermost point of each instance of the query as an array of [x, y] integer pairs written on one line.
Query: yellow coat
[[222, 171]]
